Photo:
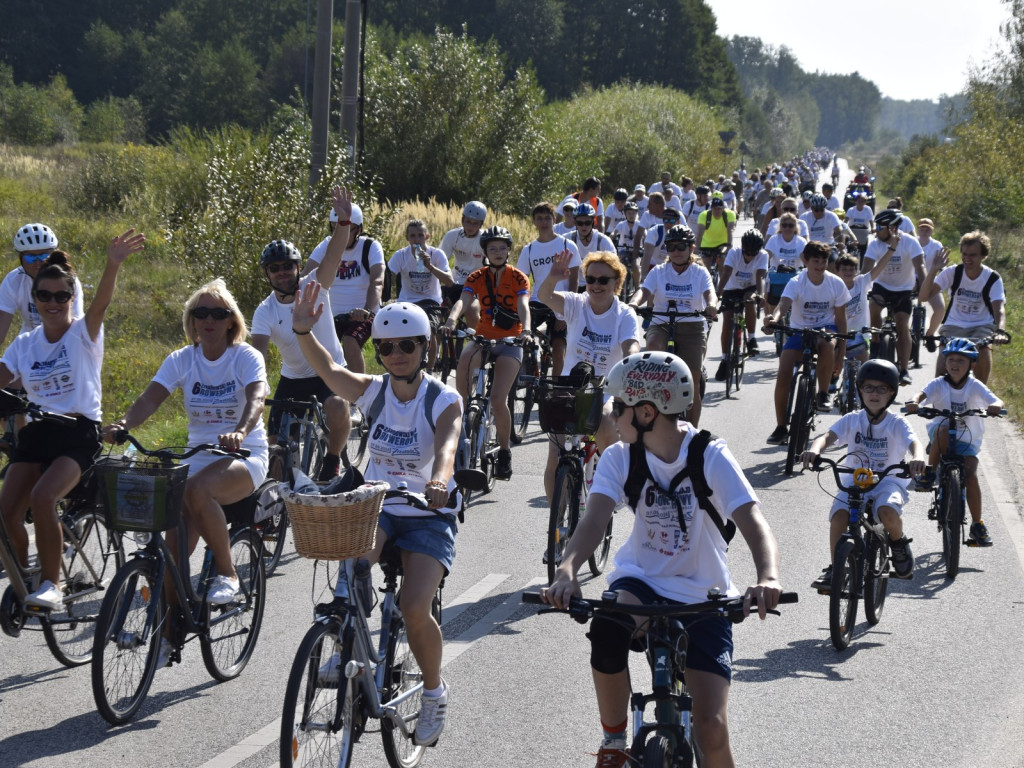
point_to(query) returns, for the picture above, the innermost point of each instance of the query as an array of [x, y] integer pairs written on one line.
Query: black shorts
[[42, 442], [359, 330], [434, 313], [541, 314], [735, 296], [296, 389], [896, 301], [451, 294]]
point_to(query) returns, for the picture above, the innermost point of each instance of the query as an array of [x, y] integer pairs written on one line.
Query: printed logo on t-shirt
[[395, 442], [47, 378], [349, 270]]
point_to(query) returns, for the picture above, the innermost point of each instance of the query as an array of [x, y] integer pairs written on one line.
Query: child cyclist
[[674, 553], [877, 439], [958, 390]]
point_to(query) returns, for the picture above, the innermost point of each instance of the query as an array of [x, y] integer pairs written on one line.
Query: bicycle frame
[[312, 426]]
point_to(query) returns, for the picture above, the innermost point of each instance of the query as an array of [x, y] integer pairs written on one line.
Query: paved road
[[940, 681]]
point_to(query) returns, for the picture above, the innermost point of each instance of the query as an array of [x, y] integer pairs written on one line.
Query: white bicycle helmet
[[658, 378], [35, 237], [356, 219], [474, 209], [400, 320]]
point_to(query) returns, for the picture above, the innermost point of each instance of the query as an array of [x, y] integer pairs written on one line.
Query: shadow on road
[[803, 658]]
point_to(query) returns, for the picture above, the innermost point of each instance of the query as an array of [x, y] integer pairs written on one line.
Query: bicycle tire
[[272, 531], [876, 578], [446, 358], [658, 753], [231, 636], [842, 599], [917, 331], [520, 403], [358, 434], [401, 675], [739, 359], [122, 664], [728, 360], [798, 423], [885, 349], [318, 721], [560, 519], [471, 425], [599, 560], [88, 569], [951, 513]]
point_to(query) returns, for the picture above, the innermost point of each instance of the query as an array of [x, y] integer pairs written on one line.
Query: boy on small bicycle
[[878, 439], [958, 390], [675, 552]]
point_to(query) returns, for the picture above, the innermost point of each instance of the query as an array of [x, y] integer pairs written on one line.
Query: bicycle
[[847, 399], [737, 350], [339, 680], [883, 340], [673, 315], [146, 499], [92, 554], [860, 564], [569, 414], [949, 494], [537, 363], [668, 740], [917, 333], [800, 407]]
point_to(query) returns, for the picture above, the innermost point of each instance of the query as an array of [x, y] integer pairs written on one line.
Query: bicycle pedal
[[825, 592], [973, 543]]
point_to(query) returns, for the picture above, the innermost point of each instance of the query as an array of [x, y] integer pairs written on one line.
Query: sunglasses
[[670, 219], [61, 297], [676, 247], [217, 313], [618, 407], [32, 258], [387, 348], [281, 266], [787, 226], [789, 210], [584, 222], [603, 280], [871, 389]]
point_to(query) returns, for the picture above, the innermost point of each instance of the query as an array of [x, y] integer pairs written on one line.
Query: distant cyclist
[[462, 247]]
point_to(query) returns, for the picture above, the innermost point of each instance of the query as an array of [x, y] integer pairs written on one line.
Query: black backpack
[[986, 292], [640, 473]]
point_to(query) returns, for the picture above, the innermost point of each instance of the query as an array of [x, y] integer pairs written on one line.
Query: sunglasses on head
[[61, 297], [618, 408], [387, 348], [32, 258], [217, 313], [602, 280], [279, 266]]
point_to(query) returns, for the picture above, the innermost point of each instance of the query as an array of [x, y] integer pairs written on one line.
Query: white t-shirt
[[939, 394], [820, 229], [274, 319], [833, 203], [859, 219], [801, 229], [641, 204], [968, 308], [874, 446], [348, 291], [597, 339], [730, 200], [627, 234], [418, 282], [814, 305], [659, 187], [744, 274], [686, 289], [656, 236], [679, 566], [691, 210], [785, 253], [401, 443], [561, 229], [931, 248], [857, 314], [899, 274], [535, 261], [614, 216], [649, 221], [63, 376], [465, 253], [598, 242], [16, 299], [214, 390]]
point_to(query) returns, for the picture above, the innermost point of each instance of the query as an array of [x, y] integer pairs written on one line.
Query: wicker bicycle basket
[[569, 410], [335, 527], [140, 496]]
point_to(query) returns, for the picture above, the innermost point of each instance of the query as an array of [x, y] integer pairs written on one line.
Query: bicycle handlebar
[[672, 314], [417, 500], [12, 404], [986, 341], [169, 454], [872, 478], [927, 412], [582, 609], [825, 334]]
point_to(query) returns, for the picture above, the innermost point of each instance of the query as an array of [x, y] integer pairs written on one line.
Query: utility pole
[[350, 76], [321, 90]]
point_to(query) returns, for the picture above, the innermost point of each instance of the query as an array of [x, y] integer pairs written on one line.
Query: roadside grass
[[1007, 379]]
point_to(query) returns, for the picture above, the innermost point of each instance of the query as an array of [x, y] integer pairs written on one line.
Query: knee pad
[[609, 643]]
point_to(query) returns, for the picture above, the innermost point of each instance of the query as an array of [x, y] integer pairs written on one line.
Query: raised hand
[[341, 200], [124, 245], [307, 308]]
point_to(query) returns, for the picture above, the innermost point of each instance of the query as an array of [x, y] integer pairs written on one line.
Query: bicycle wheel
[[739, 359], [126, 642], [951, 513], [658, 753], [88, 567], [402, 677], [318, 722], [358, 435], [729, 360], [563, 518], [876, 578], [599, 559], [446, 358], [233, 628], [798, 428], [884, 349], [272, 529], [917, 331], [520, 403], [842, 600]]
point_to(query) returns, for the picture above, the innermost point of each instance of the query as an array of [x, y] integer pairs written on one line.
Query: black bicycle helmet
[[752, 240], [279, 250], [879, 370], [702, 190], [680, 233], [495, 233], [888, 218], [630, 206], [818, 203], [620, 194]]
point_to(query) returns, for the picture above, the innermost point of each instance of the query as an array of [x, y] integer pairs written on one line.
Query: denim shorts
[[433, 536], [710, 647], [796, 341], [962, 448]]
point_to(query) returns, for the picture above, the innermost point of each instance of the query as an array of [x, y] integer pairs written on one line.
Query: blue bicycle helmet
[[584, 210], [964, 347]]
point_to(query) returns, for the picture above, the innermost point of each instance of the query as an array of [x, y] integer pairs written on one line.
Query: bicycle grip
[[789, 597], [533, 598]]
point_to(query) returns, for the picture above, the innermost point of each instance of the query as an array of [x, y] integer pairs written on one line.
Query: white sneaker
[[163, 656], [47, 596], [222, 590], [433, 710], [330, 671]]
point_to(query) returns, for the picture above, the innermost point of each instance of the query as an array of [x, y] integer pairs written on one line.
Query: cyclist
[[651, 392], [567, 225], [655, 210], [591, 194], [822, 225], [835, 171], [357, 288], [788, 205], [958, 390], [665, 185], [714, 230], [976, 302], [742, 279], [816, 299], [877, 439], [628, 236], [535, 260], [33, 242], [861, 219], [616, 214], [831, 201], [224, 383], [462, 247], [601, 330], [59, 364], [588, 240], [504, 295], [859, 286], [639, 197], [685, 282], [906, 223], [280, 262], [654, 241], [931, 247], [411, 447], [894, 288], [785, 251], [424, 271], [696, 206]]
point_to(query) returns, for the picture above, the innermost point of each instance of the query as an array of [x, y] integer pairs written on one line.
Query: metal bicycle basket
[[140, 496], [568, 410]]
